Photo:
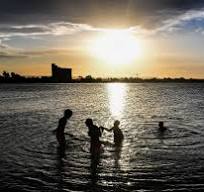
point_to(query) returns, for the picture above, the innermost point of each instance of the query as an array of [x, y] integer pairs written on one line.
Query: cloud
[[69, 28], [2, 45], [180, 21], [6, 55], [12, 54], [97, 13], [59, 28], [7, 52], [43, 52], [141, 17]]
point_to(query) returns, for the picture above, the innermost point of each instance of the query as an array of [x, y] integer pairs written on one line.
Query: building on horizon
[[61, 75]]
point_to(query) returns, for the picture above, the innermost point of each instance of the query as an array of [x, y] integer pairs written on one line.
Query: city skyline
[[109, 38]]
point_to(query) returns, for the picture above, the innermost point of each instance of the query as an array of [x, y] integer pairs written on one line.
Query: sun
[[116, 47]]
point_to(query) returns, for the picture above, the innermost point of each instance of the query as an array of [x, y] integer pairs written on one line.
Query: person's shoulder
[[116, 129], [119, 131], [95, 126], [62, 119]]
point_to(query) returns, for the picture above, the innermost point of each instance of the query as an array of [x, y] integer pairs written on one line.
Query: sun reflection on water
[[116, 95]]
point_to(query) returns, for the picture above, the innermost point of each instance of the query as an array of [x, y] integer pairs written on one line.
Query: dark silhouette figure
[[60, 130], [61, 176], [118, 134], [95, 159], [94, 133], [117, 155], [162, 129]]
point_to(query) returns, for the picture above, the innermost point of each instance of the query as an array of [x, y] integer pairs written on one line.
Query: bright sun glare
[[116, 47]]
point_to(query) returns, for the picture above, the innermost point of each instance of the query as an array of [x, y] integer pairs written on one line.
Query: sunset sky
[[149, 38]]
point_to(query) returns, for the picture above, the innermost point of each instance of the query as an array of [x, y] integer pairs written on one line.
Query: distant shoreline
[[16, 78], [32, 81]]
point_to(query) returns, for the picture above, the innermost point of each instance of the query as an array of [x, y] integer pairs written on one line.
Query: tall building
[[61, 75]]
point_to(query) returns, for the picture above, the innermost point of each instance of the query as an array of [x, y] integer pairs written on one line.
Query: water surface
[[147, 161]]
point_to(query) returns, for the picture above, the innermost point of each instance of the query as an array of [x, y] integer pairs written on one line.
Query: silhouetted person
[[118, 134], [60, 129], [94, 133], [161, 127], [95, 159], [117, 155]]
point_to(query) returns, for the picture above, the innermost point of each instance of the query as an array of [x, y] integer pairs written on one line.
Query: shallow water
[[147, 161]]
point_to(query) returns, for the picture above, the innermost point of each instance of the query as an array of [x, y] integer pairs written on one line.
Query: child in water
[[118, 134], [94, 133], [161, 127], [60, 129]]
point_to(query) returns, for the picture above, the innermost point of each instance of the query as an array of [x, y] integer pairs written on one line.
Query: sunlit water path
[[147, 161]]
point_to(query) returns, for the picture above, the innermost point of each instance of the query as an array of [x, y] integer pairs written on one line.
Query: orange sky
[[171, 45]]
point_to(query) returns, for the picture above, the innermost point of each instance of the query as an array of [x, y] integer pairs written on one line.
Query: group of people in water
[[94, 132]]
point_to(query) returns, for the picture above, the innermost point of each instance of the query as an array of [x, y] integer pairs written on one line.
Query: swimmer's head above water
[[89, 122], [68, 113], [161, 126], [116, 123]]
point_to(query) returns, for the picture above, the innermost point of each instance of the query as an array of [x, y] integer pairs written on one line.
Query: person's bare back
[[61, 126]]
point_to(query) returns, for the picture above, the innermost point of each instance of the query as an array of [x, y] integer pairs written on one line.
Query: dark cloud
[[16, 54], [19, 29], [46, 52], [5, 55], [94, 12]]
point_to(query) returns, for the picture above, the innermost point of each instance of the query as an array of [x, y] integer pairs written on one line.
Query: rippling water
[[147, 161]]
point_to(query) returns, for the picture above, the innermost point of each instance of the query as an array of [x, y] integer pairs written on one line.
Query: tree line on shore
[[13, 77]]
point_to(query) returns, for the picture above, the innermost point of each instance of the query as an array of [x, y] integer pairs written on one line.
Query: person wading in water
[[60, 129], [94, 133]]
